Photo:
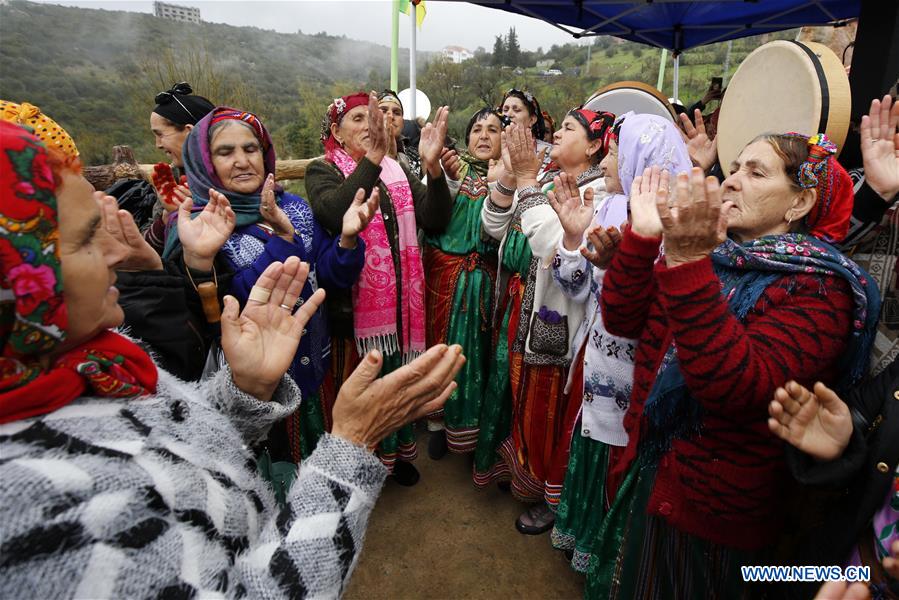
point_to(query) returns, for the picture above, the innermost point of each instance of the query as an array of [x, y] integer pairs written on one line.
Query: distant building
[[456, 53], [175, 12]]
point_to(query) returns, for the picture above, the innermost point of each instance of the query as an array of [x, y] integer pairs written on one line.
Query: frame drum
[[625, 96], [784, 86]]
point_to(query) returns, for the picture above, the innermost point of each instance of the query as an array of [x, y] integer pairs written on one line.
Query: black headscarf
[[180, 106]]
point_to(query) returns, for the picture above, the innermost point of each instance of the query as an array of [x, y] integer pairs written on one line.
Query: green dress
[[460, 277], [496, 409]]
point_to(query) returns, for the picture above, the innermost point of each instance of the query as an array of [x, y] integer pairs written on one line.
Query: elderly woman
[[230, 162], [747, 295], [119, 480], [177, 112], [537, 320], [461, 272], [602, 374], [386, 308]]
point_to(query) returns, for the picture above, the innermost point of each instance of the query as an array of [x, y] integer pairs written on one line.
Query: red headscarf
[[829, 218], [33, 317], [336, 111]]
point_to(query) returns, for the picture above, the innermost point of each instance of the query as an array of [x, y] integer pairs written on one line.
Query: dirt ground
[[444, 538]]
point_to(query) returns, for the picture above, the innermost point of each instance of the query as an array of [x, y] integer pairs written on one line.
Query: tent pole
[[676, 75], [663, 60], [413, 16]]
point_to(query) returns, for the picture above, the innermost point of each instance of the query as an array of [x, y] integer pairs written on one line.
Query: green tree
[[499, 51], [513, 49]]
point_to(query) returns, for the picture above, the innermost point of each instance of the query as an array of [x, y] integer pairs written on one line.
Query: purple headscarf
[[648, 141]]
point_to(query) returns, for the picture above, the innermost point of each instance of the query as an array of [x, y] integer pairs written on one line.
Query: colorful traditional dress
[[541, 323], [460, 274]]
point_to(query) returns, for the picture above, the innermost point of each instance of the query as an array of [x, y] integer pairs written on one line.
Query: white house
[[456, 54]]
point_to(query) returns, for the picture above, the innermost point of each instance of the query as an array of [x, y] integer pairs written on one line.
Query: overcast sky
[[447, 23]]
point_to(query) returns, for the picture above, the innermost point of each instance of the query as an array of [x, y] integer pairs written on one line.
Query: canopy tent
[[679, 24]]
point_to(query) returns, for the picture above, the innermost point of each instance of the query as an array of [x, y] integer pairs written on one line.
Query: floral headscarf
[[647, 141], [829, 218], [337, 110]]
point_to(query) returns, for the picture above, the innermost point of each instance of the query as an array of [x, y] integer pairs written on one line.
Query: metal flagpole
[[413, 17], [676, 75], [395, 45]]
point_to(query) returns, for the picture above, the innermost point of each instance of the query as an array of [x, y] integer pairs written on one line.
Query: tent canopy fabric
[[679, 24]]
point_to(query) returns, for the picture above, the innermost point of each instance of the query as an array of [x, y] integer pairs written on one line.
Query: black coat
[[866, 470]]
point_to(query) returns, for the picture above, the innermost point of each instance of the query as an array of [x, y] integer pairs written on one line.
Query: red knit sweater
[[726, 484]]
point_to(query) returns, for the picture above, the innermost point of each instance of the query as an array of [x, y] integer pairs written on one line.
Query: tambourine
[[780, 87], [625, 96]]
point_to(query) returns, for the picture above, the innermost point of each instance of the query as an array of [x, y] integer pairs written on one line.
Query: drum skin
[[780, 87], [624, 96]]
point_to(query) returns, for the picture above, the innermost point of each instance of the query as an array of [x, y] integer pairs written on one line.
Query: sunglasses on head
[[167, 96]]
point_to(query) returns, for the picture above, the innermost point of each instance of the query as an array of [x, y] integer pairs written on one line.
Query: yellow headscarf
[[45, 128]]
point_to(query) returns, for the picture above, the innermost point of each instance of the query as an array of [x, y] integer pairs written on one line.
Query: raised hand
[[272, 214], [121, 226], [817, 423], [378, 140], [519, 143], [843, 590], [605, 242], [368, 409], [703, 151], [358, 216], [203, 236], [260, 342], [645, 190], [891, 563], [574, 215], [696, 222], [430, 145], [449, 160], [880, 147]]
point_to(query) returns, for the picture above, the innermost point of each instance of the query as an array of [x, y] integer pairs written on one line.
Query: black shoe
[[405, 473], [437, 444], [536, 520]]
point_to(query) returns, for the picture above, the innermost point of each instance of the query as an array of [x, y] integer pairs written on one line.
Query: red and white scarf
[[375, 295]]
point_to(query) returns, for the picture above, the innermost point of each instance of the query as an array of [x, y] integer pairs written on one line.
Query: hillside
[[97, 71]]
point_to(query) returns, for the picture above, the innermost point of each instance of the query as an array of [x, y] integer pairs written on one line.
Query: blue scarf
[[745, 271]]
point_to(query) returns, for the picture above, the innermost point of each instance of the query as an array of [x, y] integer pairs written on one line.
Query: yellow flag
[[420, 10]]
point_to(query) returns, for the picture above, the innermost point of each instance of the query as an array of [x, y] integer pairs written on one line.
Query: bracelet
[[505, 191]]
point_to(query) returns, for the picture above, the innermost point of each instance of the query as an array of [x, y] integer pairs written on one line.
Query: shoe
[[535, 520], [504, 486], [437, 444], [405, 473]]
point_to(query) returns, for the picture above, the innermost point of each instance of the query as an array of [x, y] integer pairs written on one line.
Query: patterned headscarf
[[33, 316], [337, 110], [45, 128], [390, 96], [529, 100], [197, 157], [829, 218], [598, 126]]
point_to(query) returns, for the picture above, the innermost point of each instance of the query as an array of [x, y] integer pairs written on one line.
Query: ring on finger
[[285, 307]]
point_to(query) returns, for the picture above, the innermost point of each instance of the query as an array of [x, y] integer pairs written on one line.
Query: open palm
[[430, 144], [204, 235], [817, 423], [703, 151], [880, 147], [260, 342], [574, 215]]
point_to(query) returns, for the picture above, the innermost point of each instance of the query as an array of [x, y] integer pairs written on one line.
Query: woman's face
[[353, 132], [89, 256], [484, 139], [169, 138], [763, 196], [609, 166], [516, 110], [237, 158], [393, 116], [571, 148]]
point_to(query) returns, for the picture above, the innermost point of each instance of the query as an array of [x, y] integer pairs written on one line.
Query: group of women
[[607, 331]]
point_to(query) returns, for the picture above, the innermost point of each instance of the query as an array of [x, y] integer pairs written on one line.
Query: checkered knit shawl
[[160, 498]]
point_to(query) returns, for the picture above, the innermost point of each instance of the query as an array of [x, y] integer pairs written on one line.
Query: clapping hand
[[378, 138], [518, 144], [880, 147], [574, 215], [817, 423], [449, 160], [203, 236], [695, 222], [358, 216], [605, 242], [645, 190], [368, 409], [260, 342], [430, 145], [120, 225], [702, 150], [272, 214]]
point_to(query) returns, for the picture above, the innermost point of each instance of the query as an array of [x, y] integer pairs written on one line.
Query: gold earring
[[790, 220]]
